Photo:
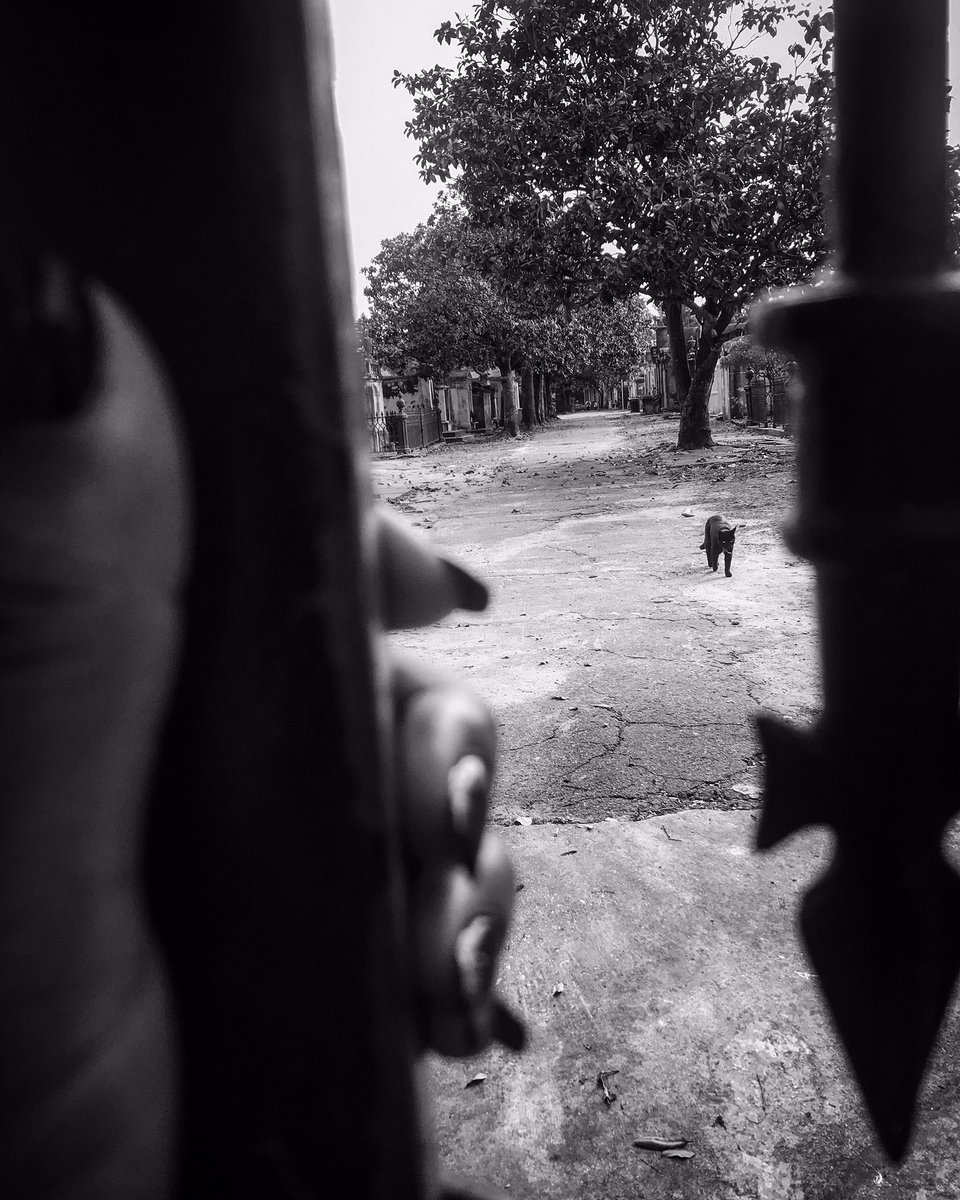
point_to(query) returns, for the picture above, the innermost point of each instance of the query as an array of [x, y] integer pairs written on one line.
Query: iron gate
[[272, 792]]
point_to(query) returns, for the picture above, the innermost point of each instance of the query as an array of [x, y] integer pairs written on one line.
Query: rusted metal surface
[[881, 524]]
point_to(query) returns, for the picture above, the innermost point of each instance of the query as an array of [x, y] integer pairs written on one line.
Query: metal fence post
[[272, 858], [882, 927], [400, 428]]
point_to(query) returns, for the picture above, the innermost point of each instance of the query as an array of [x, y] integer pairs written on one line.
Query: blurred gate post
[[879, 516], [187, 156]]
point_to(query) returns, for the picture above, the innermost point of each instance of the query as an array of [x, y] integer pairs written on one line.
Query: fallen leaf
[[524, 820], [558, 697], [678, 1154], [661, 1144], [558, 989], [687, 512], [477, 1079], [563, 853]]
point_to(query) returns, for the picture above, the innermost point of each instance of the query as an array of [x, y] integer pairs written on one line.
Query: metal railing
[[379, 433], [779, 398], [768, 404], [755, 395]]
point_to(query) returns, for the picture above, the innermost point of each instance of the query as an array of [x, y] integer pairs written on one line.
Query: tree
[[745, 353], [605, 343], [442, 297], [647, 135], [427, 305]]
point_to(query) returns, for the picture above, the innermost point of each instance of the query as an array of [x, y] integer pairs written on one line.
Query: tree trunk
[[540, 398], [511, 421], [694, 433], [550, 403], [527, 399], [678, 350]]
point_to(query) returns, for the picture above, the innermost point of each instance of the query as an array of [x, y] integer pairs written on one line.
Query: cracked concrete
[[683, 982], [625, 677], [663, 629]]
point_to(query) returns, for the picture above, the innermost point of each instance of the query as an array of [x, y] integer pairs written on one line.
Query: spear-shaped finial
[[882, 927]]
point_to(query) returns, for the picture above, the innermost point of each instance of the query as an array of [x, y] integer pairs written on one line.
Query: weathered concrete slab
[[674, 944], [623, 672], [624, 676]]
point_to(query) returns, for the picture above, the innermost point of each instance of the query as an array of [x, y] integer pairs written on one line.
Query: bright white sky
[[372, 38]]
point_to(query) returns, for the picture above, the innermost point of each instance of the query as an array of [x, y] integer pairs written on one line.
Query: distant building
[[466, 401], [471, 401]]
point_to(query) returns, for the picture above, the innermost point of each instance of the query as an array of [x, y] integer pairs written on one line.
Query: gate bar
[[880, 520]]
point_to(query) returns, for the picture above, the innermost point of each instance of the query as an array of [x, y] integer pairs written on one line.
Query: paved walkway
[[651, 945]]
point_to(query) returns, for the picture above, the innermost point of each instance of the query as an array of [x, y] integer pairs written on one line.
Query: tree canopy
[[430, 305], [604, 343], [437, 299], [647, 135], [746, 353], [444, 296]]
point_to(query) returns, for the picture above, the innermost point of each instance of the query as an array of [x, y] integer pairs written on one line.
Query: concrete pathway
[[662, 954], [651, 944], [623, 671]]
